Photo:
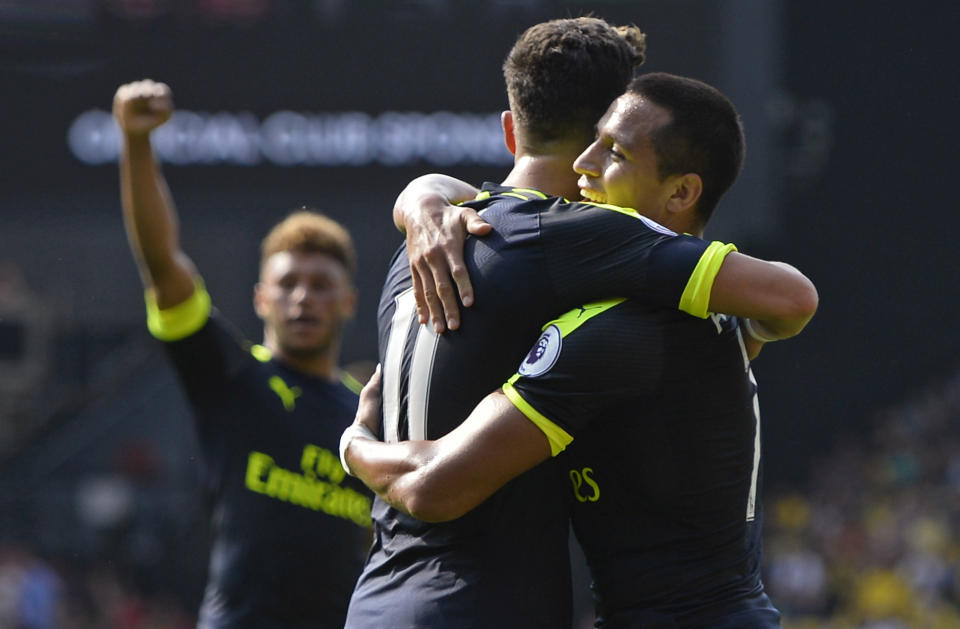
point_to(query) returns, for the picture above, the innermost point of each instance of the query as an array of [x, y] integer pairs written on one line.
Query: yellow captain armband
[[696, 296], [182, 320], [558, 437]]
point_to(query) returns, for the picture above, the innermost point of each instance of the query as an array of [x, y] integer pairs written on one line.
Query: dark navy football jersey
[[504, 564], [661, 416], [289, 526]]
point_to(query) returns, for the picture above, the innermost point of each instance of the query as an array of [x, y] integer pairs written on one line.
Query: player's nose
[[586, 164], [300, 293]]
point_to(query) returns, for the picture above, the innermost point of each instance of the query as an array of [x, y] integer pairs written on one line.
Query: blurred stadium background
[[850, 110]]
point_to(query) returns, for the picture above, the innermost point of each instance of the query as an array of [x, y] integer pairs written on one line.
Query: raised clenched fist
[[142, 106]]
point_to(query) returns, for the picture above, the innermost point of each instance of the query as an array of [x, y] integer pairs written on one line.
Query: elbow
[[799, 309], [807, 300], [428, 502], [432, 512]]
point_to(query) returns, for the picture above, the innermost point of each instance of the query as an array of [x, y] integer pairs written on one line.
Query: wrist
[[138, 145], [758, 332], [354, 430], [137, 135], [418, 207]]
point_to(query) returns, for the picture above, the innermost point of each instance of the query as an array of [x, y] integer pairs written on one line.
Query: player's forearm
[[441, 480], [429, 194], [147, 207], [774, 294], [438, 481], [151, 223], [399, 473]]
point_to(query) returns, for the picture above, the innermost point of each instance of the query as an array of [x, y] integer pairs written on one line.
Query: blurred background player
[[289, 528], [658, 408]]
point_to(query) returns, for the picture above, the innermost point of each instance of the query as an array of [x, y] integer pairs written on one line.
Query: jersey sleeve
[[587, 363], [595, 251], [204, 350], [182, 320]]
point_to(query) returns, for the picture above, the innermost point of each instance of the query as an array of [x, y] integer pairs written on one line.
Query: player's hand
[[755, 336], [436, 232], [368, 410], [753, 347], [142, 106]]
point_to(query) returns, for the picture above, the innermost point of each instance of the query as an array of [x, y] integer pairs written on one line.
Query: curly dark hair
[[562, 75]]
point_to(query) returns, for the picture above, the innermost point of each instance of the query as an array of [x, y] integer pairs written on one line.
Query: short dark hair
[[704, 135], [562, 75]]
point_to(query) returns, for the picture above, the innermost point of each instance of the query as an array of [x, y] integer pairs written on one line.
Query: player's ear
[[259, 300], [685, 192], [506, 121]]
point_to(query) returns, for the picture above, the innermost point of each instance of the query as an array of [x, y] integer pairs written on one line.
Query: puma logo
[[287, 395]]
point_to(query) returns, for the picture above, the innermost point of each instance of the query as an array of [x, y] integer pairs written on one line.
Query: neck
[[685, 225], [319, 364], [323, 367], [551, 174]]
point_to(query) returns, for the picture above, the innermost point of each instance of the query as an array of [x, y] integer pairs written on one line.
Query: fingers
[[141, 106], [425, 288], [423, 314], [147, 94], [370, 397], [431, 299], [461, 279], [474, 223], [372, 388], [368, 411], [435, 250], [446, 295], [437, 296], [752, 346]]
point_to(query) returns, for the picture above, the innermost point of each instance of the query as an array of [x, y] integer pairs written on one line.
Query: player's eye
[[287, 283], [617, 155]]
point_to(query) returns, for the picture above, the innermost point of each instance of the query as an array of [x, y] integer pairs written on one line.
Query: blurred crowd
[[62, 594], [869, 543], [872, 542]]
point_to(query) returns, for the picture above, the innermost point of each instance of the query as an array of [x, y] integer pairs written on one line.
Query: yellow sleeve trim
[[696, 296], [558, 437], [182, 320], [536, 193], [350, 382]]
